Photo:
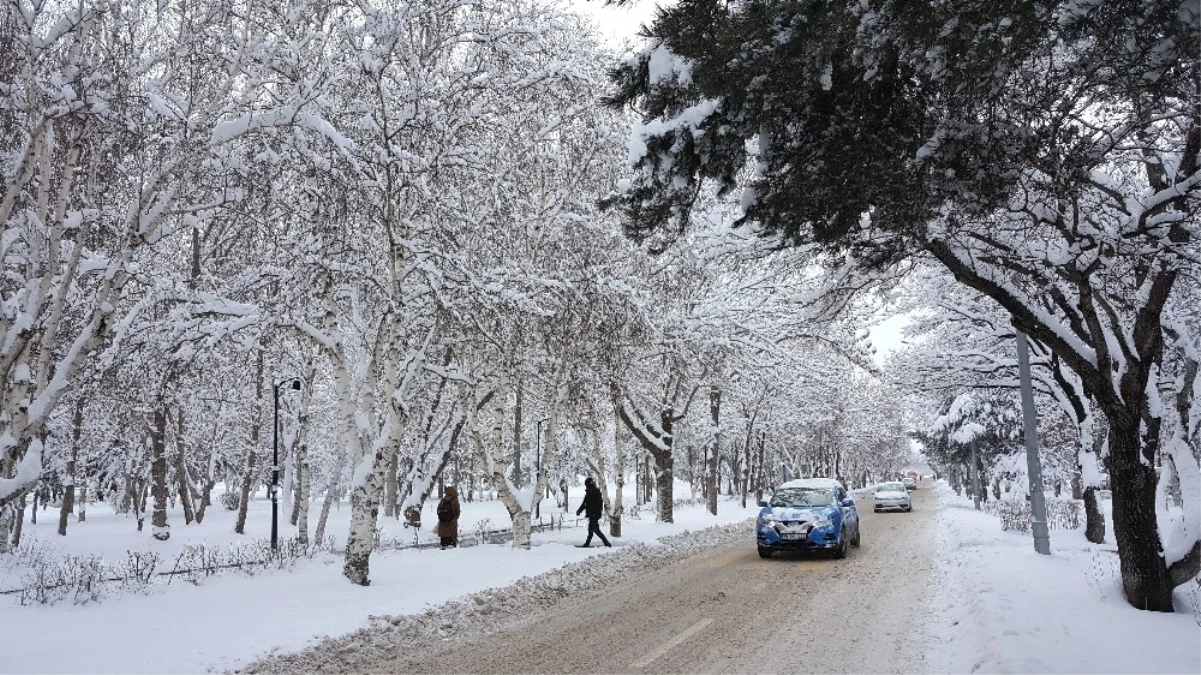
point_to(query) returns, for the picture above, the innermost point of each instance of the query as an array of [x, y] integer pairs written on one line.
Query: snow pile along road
[[1001, 607], [482, 612]]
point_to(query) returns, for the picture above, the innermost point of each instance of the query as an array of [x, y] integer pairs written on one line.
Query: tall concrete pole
[[975, 475], [1038, 503]]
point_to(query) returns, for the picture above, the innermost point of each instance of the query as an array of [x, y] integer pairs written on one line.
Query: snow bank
[[486, 611], [233, 618], [1003, 608]]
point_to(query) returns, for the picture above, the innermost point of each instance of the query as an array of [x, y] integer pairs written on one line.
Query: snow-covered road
[[719, 608]]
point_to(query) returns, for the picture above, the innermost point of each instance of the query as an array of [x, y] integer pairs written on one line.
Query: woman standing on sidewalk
[[448, 518]]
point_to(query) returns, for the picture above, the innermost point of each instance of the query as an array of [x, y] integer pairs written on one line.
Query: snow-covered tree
[[982, 136]]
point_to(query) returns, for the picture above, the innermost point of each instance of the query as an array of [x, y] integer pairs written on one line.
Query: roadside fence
[[1015, 514]]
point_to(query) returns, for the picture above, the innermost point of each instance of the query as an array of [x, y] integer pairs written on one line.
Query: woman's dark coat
[[448, 514]]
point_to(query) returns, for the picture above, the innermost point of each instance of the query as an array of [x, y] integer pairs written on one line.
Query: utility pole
[[975, 475], [1038, 504]]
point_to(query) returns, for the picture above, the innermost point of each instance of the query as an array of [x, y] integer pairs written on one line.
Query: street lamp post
[[295, 386], [1038, 503], [975, 475]]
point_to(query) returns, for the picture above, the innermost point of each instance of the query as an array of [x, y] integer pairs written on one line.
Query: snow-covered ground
[[233, 618], [1002, 608]]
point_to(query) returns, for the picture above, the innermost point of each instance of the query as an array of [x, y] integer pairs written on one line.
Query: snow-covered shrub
[[1062, 514], [80, 578], [1102, 571], [633, 512], [482, 528], [230, 500], [47, 580], [139, 568]]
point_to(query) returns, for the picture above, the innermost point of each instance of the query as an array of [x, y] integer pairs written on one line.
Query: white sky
[[618, 24]]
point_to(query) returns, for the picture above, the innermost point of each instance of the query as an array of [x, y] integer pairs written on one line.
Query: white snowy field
[[1002, 608], [231, 618]]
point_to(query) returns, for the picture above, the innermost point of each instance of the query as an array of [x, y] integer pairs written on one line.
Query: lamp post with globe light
[[294, 385]]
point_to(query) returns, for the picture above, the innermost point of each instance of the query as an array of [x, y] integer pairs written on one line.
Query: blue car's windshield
[[798, 497]]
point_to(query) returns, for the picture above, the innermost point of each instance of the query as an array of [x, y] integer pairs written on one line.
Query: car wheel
[[908, 509], [855, 541], [764, 552], [841, 551]]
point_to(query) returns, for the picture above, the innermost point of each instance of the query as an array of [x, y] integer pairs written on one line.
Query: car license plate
[[792, 536]]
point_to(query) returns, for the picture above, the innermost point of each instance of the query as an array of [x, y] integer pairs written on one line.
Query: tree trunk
[[1094, 520], [68, 500], [17, 529], [517, 438], [82, 512], [69, 494], [1089, 471], [206, 498], [760, 477], [330, 495], [664, 484], [139, 502], [158, 475], [619, 479], [300, 453], [255, 424], [391, 485], [8, 514], [713, 468], [596, 463], [303, 486], [738, 453], [364, 514], [638, 500], [247, 487], [1145, 577], [521, 529], [181, 471], [648, 479]]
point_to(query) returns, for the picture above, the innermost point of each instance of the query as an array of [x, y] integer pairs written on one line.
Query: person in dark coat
[[448, 518], [593, 507]]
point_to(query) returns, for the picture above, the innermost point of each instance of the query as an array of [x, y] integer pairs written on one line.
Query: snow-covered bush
[[230, 500], [1062, 514], [47, 580]]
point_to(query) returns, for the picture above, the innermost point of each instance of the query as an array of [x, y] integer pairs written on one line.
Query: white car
[[892, 497]]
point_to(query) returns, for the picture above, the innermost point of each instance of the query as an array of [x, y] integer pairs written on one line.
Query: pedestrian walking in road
[[448, 518], [592, 507]]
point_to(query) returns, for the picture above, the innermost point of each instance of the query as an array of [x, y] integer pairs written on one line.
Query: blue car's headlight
[[765, 520], [824, 522]]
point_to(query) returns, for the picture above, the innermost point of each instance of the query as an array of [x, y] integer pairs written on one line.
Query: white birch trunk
[[489, 450], [364, 514], [619, 479], [302, 494], [368, 486]]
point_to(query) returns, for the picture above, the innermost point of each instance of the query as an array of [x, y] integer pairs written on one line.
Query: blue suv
[[807, 514]]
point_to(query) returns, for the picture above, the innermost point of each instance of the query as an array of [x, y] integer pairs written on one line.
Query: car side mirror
[[764, 503], [848, 502]]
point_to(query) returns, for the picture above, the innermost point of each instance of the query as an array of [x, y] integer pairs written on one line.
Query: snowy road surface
[[720, 610]]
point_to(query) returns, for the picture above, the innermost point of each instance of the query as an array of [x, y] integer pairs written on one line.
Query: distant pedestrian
[[448, 518], [592, 507]]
